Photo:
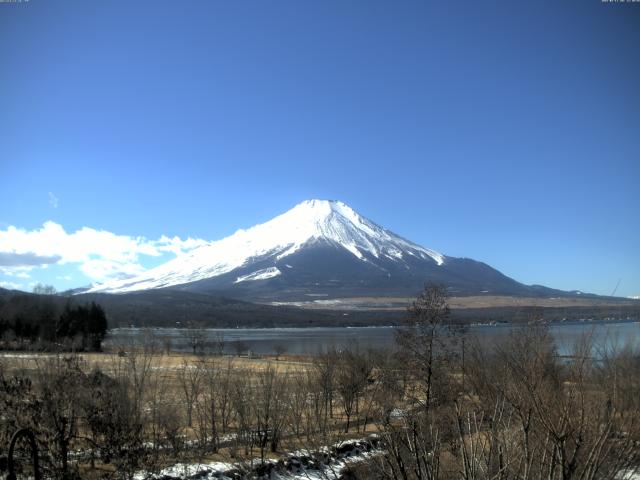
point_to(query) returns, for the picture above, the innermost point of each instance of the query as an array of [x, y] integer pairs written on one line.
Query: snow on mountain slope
[[260, 274], [314, 220]]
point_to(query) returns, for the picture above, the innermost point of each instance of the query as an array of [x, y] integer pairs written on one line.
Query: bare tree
[[219, 344], [240, 347], [298, 396], [324, 366], [42, 289], [352, 375], [415, 437], [47, 311], [271, 408], [280, 349], [213, 406], [60, 382], [315, 413], [135, 365], [162, 421], [423, 338], [241, 397], [115, 428], [550, 419], [195, 338], [190, 378]]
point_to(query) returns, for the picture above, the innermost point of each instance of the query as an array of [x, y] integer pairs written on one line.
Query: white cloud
[[107, 269], [16, 271], [177, 246], [24, 260], [53, 200], [101, 255], [11, 285]]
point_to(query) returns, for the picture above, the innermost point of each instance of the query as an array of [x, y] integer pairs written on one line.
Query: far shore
[[460, 303]]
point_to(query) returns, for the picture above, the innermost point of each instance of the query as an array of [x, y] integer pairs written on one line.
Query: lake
[[310, 341]]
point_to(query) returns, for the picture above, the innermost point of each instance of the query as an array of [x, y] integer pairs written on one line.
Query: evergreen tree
[[96, 325]]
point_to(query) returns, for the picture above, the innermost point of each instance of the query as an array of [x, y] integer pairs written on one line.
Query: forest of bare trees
[[511, 410]]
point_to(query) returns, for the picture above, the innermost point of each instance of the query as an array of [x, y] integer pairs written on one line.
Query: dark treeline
[[175, 308], [45, 321], [171, 308]]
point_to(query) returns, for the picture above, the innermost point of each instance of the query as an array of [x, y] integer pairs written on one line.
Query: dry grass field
[[478, 301], [168, 363]]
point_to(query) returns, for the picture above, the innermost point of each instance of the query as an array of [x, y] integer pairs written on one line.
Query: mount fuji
[[319, 249]]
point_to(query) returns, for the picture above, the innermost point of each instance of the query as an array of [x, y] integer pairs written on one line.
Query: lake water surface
[[310, 341]]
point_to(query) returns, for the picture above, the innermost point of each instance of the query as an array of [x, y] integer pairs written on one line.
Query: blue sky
[[504, 131]]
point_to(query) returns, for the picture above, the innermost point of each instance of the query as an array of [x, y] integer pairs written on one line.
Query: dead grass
[[478, 301], [12, 361]]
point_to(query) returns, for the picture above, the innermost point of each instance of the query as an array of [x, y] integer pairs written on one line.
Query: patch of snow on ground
[[324, 464], [186, 470], [628, 475]]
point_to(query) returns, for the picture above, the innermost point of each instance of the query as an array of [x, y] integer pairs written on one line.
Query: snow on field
[[628, 475], [26, 355], [325, 464], [185, 470]]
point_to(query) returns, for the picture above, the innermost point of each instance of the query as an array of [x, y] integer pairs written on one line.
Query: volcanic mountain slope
[[320, 249]]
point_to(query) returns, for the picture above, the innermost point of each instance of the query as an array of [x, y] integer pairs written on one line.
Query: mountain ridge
[[305, 224], [320, 248]]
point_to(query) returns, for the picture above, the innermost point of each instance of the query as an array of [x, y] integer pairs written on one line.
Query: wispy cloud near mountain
[[99, 254], [53, 200]]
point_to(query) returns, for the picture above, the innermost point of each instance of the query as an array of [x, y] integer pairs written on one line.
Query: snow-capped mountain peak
[[310, 222]]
